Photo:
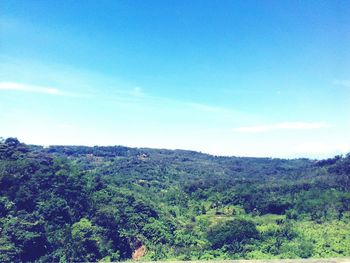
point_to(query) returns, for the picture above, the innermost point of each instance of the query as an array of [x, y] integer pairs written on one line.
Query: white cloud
[[283, 126], [29, 88], [14, 86]]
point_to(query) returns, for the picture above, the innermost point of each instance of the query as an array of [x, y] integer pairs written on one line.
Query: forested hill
[[76, 203]]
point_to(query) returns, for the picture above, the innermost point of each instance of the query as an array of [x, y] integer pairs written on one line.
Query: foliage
[[78, 204]]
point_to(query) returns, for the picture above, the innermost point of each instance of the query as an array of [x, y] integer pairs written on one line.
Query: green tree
[[233, 234], [86, 241]]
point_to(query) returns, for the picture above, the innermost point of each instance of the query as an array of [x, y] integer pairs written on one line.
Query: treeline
[[78, 204]]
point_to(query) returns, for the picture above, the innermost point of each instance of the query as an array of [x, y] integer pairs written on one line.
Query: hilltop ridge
[[78, 203]]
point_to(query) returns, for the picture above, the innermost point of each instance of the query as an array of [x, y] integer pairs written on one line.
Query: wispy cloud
[[283, 126], [342, 82], [135, 94], [14, 86], [208, 108], [138, 92]]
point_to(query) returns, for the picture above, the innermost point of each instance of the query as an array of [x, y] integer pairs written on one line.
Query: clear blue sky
[[246, 78]]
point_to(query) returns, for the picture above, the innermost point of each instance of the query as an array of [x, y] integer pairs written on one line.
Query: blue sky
[[245, 78]]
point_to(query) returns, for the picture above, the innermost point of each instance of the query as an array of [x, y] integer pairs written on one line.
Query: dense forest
[[78, 204]]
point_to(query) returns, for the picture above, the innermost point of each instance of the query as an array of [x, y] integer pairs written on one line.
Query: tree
[[23, 235], [233, 234], [86, 242]]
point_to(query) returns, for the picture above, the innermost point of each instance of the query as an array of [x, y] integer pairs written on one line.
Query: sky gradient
[[244, 78]]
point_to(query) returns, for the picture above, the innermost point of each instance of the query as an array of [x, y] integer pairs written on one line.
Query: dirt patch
[[139, 253]]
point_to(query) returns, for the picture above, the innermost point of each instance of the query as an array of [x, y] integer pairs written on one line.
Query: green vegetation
[[64, 204]]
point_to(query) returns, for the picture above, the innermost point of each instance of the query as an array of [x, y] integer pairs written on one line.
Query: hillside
[[77, 203]]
